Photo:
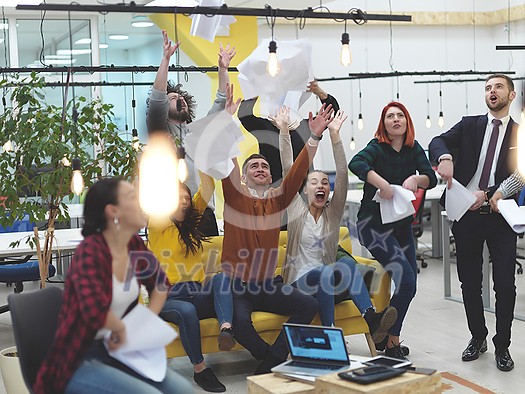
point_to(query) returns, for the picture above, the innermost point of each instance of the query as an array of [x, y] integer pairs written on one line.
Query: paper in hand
[[146, 337], [398, 207], [458, 200], [513, 214]]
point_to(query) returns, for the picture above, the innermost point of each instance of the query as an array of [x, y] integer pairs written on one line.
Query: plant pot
[[11, 372]]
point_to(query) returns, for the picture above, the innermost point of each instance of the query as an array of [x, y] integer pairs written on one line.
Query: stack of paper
[[206, 26], [514, 215], [398, 207], [146, 337], [212, 143]]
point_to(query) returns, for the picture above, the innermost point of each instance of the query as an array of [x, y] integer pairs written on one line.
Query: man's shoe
[[379, 323], [381, 346], [504, 361], [226, 339], [267, 363], [208, 381], [474, 348], [395, 352]]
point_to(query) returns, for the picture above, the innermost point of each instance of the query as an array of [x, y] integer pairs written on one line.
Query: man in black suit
[[480, 152]]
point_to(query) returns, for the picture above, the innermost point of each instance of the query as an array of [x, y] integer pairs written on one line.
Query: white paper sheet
[[294, 74], [398, 207], [146, 337], [207, 27], [212, 142], [458, 199], [513, 214]]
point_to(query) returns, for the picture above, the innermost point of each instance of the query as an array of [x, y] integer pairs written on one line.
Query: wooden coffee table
[[331, 384]]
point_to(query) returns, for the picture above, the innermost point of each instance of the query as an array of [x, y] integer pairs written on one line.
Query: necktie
[[489, 158]]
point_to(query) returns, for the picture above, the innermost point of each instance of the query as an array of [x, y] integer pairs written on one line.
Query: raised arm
[[323, 96], [225, 56], [341, 172], [161, 79], [281, 120]]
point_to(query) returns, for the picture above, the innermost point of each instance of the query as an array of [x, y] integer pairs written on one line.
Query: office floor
[[435, 330]]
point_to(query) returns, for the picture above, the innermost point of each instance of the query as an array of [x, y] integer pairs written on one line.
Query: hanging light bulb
[[352, 144], [346, 54], [273, 66], [8, 146], [360, 123], [158, 177], [441, 119], [135, 139], [77, 182], [521, 145], [428, 122], [182, 171], [65, 161]]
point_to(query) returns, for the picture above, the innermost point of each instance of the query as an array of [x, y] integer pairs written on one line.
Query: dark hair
[[381, 133], [510, 82], [189, 234], [102, 193], [190, 100], [251, 157]]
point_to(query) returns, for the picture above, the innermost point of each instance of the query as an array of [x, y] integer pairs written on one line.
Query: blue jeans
[[341, 279], [99, 373], [189, 302], [395, 250]]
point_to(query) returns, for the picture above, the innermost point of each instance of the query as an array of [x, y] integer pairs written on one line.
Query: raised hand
[[321, 121], [231, 105], [335, 125], [168, 48], [282, 118], [225, 56], [314, 88]]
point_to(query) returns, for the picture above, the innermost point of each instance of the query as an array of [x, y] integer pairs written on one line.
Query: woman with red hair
[[392, 157]]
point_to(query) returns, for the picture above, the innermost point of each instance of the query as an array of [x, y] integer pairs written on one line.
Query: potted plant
[[40, 141]]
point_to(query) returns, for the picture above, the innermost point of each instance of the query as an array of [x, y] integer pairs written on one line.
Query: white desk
[[353, 202]]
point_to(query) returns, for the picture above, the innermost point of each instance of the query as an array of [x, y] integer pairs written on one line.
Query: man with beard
[[480, 153], [170, 109]]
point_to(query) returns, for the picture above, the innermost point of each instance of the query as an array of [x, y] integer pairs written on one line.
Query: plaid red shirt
[[85, 304]]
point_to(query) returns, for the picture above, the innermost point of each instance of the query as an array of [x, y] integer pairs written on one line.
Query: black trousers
[[270, 296], [470, 233]]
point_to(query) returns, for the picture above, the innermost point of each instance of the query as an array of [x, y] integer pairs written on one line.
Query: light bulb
[[65, 162], [521, 146], [441, 119], [360, 123], [182, 170], [346, 54], [352, 144], [135, 139], [158, 177], [428, 123], [272, 67], [77, 182], [8, 146]]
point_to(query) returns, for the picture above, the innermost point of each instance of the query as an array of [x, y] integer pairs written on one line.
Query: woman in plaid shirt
[[100, 288], [393, 157]]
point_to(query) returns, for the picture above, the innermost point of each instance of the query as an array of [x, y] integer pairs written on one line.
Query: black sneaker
[[267, 363], [379, 323], [395, 352], [226, 339], [381, 346], [208, 381]]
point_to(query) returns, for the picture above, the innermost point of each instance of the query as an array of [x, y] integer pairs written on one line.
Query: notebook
[[315, 350]]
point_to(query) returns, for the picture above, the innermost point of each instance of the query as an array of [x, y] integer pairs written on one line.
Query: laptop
[[315, 350]]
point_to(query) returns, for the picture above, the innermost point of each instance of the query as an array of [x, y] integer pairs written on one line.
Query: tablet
[[388, 361]]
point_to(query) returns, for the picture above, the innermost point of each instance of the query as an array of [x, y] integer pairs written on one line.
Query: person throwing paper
[[392, 158], [485, 155]]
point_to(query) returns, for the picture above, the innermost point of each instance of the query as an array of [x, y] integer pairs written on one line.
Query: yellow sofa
[[268, 325]]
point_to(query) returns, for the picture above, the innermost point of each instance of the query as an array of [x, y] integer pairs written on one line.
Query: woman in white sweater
[[313, 234]]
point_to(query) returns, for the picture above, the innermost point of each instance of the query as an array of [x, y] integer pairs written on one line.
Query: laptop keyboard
[[313, 365]]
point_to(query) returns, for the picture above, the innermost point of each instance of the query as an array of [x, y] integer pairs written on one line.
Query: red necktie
[[489, 158]]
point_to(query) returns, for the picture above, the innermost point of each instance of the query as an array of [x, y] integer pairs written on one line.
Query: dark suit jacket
[[464, 142]]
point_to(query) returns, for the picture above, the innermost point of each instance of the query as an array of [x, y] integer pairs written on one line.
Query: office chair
[[417, 223], [35, 318]]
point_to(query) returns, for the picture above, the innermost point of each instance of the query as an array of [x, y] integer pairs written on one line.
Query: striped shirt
[[512, 185]]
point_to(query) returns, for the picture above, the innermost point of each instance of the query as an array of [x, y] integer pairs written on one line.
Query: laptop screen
[[316, 343]]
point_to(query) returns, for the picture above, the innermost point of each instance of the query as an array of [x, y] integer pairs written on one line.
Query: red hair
[[381, 133]]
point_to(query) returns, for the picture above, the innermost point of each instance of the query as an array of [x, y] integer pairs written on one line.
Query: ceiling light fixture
[[83, 41], [73, 52], [118, 37], [103, 46]]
